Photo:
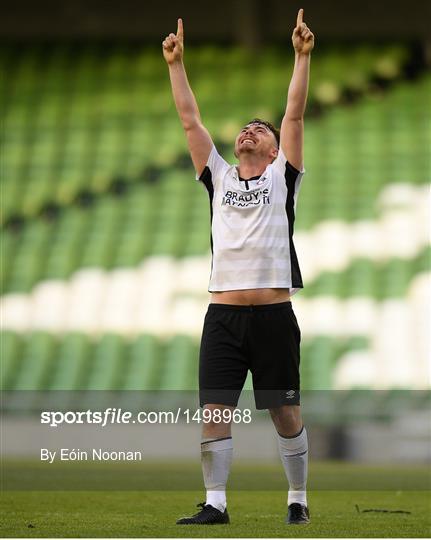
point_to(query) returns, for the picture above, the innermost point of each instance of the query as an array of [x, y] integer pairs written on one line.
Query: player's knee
[[216, 421], [287, 420]]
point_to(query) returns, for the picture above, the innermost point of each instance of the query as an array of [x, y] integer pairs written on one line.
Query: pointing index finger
[[180, 29], [299, 17]]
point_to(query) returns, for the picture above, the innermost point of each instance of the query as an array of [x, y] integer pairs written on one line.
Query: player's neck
[[250, 166]]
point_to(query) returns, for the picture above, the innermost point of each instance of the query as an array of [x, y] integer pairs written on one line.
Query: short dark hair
[[271, 127]]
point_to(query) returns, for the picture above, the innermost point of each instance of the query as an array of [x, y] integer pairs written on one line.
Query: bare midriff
[[251, 296]]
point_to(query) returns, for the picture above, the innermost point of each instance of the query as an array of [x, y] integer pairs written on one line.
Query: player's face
[[255, 139]]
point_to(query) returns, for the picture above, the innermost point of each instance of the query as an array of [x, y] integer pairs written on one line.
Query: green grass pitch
[[254, 513]]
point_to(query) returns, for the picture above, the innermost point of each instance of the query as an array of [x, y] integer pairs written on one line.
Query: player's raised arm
[[198, 138], [292, 127]]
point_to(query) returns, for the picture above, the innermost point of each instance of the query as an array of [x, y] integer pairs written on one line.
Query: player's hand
[[302, 37], [173, 45]]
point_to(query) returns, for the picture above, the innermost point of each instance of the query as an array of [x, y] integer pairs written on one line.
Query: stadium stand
[[170, 216], [76, 120], [103, 222]]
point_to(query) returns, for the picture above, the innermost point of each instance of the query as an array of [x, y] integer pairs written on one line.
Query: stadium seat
[[10, 358], [106, 367], [72, 362], [36, 364], [144, 366], [180, 357]]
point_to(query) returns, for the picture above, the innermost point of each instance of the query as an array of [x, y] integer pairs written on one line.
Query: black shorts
[[263, 339]]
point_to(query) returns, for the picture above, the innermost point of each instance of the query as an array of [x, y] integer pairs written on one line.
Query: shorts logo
[[290, 394]]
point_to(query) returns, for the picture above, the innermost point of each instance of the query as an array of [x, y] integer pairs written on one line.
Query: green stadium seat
[[10, 349], [144, 366], [180, 357], [316, 367], [39, 352], [72, 361], [8, 248], [107, 365]]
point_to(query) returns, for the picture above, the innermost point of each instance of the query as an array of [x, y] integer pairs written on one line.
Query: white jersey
[[252, 226]]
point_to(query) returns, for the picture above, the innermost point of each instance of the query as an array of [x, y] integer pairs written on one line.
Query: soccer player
[[250, 324]]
